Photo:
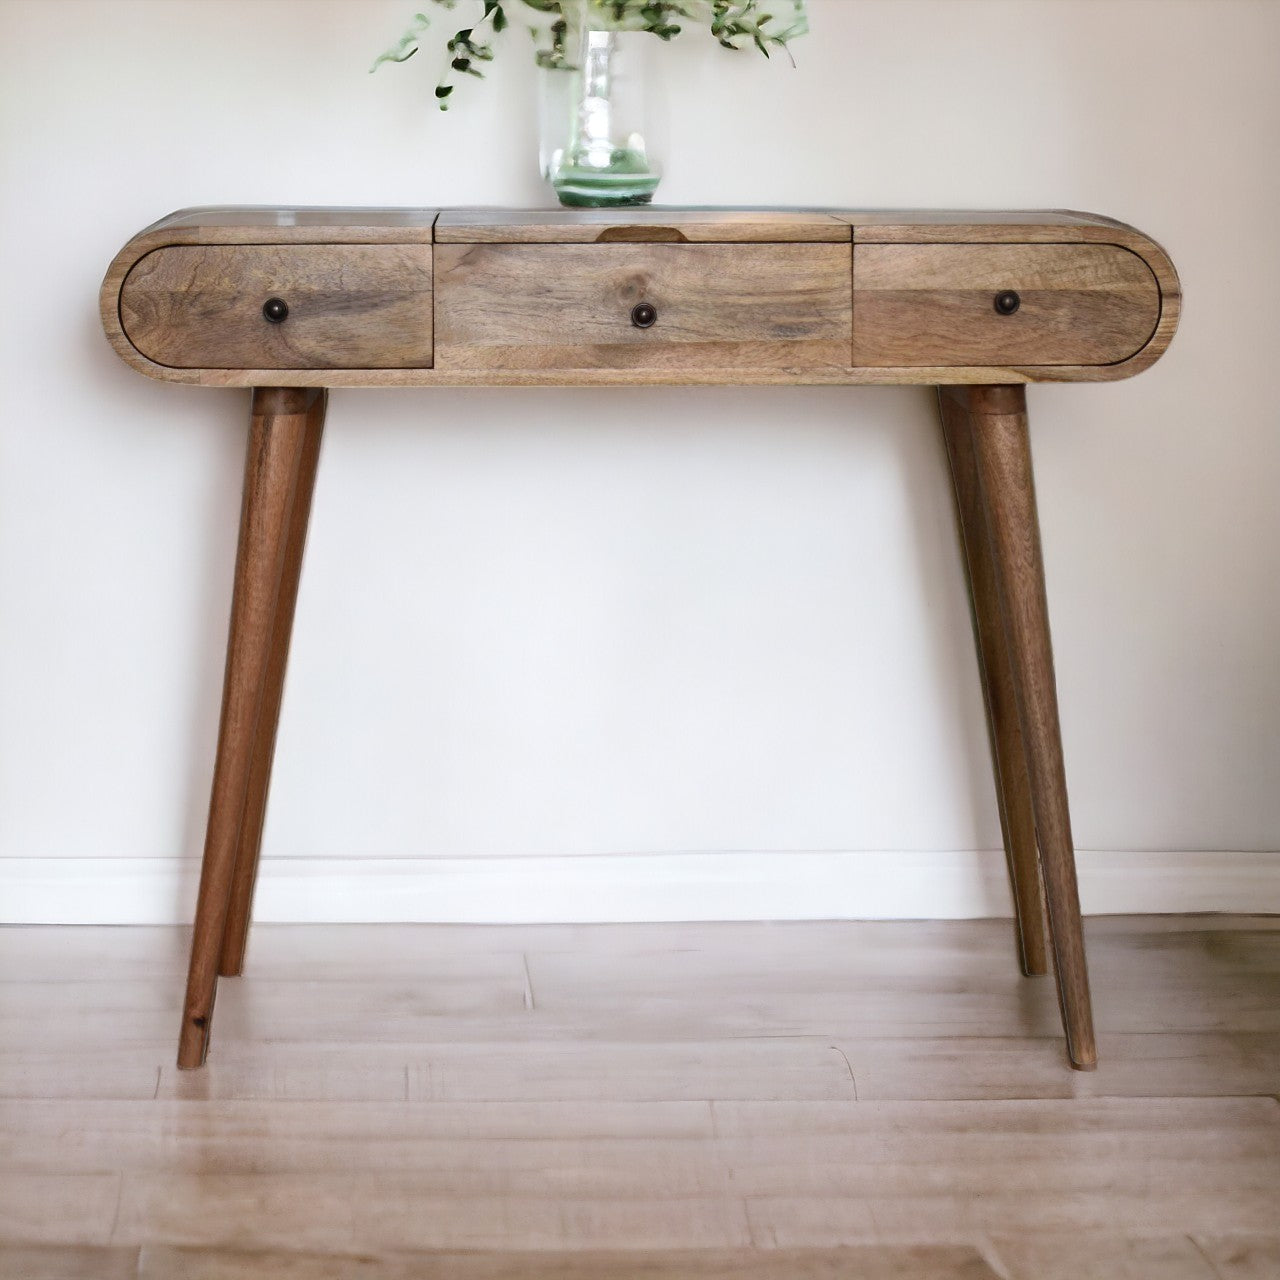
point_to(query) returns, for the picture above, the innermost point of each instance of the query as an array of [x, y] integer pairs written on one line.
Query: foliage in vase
[[733, 24]]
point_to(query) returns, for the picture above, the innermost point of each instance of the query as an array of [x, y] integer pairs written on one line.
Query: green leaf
[[407, 45], [398, 54], [767, 24]]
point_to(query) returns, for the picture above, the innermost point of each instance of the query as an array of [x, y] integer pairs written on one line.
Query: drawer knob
[[276, 310], [644, 315], [1007, 302]]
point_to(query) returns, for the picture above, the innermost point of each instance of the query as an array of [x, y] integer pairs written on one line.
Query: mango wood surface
[[1013, 785], [274, 224], [224, 226], [281, 423], [655, 225], [997, 424], [249, 845], [739, 297], [356, 304], [949, 226], [569, 307], [934, 304]]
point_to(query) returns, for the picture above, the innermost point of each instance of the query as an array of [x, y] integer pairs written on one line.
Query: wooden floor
[[737, 1102]]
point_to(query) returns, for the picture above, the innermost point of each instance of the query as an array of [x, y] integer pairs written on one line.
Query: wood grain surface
[[192, 306], [1009, 762], [619, 1124], [588, 226], [996, 421], [280, 425], [934, 304], [282, 224], [719, 307], [249, 843], [347, 227], [983, 226], [858, 1263]]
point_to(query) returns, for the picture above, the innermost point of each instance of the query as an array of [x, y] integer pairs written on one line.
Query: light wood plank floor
[[717, 1102]]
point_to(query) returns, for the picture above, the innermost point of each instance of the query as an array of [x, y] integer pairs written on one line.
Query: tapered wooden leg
[[1013, 786], [1002, 454], [277, 436], [239, 911]]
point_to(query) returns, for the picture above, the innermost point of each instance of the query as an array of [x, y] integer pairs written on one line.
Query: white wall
[[644, 652]]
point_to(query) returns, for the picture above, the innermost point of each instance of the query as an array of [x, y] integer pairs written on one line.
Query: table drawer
[[936, 304], [349, 306], [711, 306]]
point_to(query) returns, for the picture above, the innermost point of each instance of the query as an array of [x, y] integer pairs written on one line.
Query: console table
[[289, 302]]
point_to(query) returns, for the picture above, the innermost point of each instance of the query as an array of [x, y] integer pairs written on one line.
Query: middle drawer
[[652, 307]]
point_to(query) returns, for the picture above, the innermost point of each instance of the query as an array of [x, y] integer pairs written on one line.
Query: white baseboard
[[858, 885]]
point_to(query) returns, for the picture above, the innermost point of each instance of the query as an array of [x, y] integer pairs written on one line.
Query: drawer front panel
[[350, 306], [934, 304], [745, 306]]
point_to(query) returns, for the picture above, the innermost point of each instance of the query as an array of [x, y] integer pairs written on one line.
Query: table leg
[[244, 879], [1002, 454], [277, 438], [1009, 764]]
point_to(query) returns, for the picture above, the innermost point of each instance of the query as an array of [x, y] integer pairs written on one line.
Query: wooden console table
[[292, 301]]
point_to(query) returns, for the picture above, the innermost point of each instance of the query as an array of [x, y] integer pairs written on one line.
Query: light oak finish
[[570, 307], [1242, 1257], [1013, 784], [62, 1208], [201, 306], [711, 1159], [1185, 1006], [934, 304], [281, 423], [868, 1263], [850, 1148], [997, 426], [249, 846], [1073, 1256], [68, 1262]]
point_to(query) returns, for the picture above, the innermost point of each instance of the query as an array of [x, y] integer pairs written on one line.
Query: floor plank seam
[[1209, 1262], [982, 1144], [987, 1251], [529, 1002], [115, 1219], [852, 1078]]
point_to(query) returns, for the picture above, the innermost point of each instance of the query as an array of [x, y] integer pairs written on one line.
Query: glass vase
[[593, 149]]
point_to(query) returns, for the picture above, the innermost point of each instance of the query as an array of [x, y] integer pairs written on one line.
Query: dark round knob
[[643, 315], [1007, 302], [276, 310]]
